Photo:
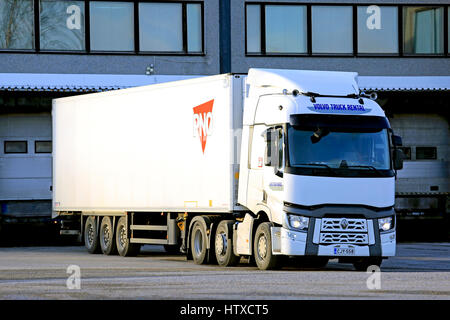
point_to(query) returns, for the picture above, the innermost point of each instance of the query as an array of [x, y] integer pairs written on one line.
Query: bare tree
[[16, 24]]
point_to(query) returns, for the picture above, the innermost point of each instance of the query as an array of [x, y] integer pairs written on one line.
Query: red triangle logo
[[203, 121]]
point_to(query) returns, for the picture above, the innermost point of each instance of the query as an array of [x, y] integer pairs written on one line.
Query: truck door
[[274, 162]]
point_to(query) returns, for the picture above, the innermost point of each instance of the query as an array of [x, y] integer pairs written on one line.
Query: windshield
[[339, 149]]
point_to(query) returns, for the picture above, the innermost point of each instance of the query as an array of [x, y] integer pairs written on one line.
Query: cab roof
[[327, 83]]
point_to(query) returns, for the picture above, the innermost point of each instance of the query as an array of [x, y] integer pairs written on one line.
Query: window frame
[[35, 146], [399, 30], [407, 155], [444, 26], [6, 141], [355, 52], [435, 153], [136, 51]]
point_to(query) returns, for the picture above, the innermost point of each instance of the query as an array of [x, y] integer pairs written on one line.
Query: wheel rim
[[122, 237], [198, 242], [262, 247], [90, 234], [106, 236], [221, 244]]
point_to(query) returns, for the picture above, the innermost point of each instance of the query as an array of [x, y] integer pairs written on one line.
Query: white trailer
[[276, 163]]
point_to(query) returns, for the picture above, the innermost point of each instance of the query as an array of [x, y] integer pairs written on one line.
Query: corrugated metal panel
[[392, 83], [79, 82]]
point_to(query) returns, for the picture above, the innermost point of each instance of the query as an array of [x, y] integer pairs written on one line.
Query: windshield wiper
[[367, 167]]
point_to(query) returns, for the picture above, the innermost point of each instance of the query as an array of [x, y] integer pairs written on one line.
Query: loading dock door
[[25, 156]]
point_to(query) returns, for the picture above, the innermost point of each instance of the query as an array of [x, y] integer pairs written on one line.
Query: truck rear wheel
[[223, 244], [262, 251], [124, 247], [91, 241], [107, 241], [199, 240]]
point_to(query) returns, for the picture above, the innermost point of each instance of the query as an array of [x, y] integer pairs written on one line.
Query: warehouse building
[[53, 48]]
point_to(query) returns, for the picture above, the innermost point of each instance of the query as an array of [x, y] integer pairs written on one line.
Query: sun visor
[[313, 121]]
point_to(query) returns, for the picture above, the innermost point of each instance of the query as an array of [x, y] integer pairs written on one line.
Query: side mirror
[[398, 159], [397, 141]]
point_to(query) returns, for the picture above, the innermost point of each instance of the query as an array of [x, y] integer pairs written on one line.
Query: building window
[[286, 29], [145, 27], [111, 26], [61, 25], [253, 26], [423, 30], [160, 27], [42, 147], [378, 29], [406, 152], [194, 27], [16, 24], [426, 153], [15, 147], [332, 29]]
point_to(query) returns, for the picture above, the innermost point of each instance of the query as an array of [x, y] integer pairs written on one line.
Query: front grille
[[343, 225], [355, 238]]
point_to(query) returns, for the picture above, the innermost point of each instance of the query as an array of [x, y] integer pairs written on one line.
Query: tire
[[107, 239], [91, 241], [124, 247], [199, 240], [262, 248], [223, 244], [365, 263]]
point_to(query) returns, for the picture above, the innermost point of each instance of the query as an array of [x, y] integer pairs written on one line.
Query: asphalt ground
[[420, 271]]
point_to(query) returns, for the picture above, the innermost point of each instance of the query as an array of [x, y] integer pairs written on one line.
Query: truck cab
[[318, 172]]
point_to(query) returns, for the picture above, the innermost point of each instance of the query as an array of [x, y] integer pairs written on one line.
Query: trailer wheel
[[91, 241], [199, 240], [262, 251], [107, 241], [365, 263], [124, 247], [223, 244]]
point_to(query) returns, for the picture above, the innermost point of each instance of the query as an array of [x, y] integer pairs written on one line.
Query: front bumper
[[294, 243]]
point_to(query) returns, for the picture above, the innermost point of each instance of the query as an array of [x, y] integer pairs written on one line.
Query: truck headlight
[[386, 224], [298, 222]]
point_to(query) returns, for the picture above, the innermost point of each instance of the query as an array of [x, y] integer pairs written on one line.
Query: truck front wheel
[[224, 244], [90, 236], [262, 248], [124, 247]]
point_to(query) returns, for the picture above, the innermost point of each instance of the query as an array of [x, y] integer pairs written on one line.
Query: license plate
[[344, 251]]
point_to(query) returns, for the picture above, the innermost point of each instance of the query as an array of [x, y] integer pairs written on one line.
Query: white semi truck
[[271, 164]]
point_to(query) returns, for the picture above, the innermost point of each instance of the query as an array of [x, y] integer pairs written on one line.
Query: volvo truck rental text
[[273, 164]]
